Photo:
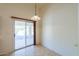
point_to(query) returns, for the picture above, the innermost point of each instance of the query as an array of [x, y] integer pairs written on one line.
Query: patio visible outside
[[23, 34]]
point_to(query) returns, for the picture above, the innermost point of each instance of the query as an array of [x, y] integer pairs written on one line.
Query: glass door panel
[[29, 33], [19, 34]]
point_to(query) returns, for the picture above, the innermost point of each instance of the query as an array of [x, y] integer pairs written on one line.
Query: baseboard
[[52, 51]]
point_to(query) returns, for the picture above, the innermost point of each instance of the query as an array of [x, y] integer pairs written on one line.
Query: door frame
[[34, 25]]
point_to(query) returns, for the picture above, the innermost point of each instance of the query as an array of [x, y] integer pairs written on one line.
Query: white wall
[[78, 29], [59, 31], [18, 10]]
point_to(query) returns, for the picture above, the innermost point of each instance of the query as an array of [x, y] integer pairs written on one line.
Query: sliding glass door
[[24, 33], [29, 33]]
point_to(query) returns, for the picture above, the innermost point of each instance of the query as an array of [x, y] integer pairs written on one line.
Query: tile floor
[[34, 51]]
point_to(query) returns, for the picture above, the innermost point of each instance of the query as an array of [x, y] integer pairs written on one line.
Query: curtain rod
[[22, 18]]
